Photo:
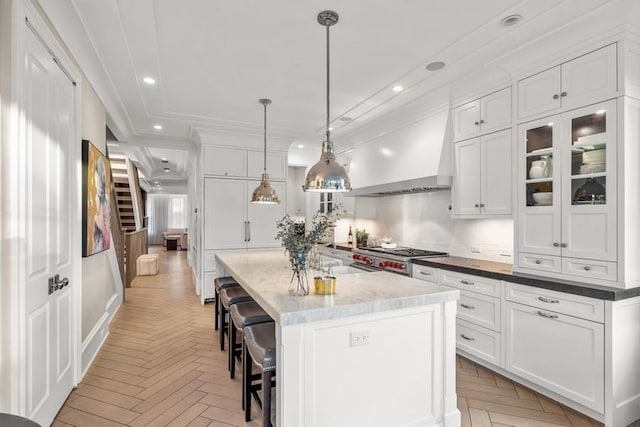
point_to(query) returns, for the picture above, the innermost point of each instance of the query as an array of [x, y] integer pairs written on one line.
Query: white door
[[49, 218], [589, 78], [495, 110], [225, 223], [262, 218], [539, 93], [466, 119], [496, 177], [466, 184]]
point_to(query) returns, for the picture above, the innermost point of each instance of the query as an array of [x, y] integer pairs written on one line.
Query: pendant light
[[327, 176], [265, 193]]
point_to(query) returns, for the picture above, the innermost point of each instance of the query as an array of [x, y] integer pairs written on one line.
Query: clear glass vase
[[299, 285]]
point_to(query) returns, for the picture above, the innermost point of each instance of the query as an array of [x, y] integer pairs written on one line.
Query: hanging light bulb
[[265, 193], [327, 175]]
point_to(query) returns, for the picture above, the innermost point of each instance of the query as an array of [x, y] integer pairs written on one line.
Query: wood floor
[[161, 366]]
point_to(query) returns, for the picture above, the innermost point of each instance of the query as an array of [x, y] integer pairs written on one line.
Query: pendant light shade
[[265, 193], [327, 175]]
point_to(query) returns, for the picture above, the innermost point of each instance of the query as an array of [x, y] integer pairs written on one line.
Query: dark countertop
[[341, 246], [502, 271]]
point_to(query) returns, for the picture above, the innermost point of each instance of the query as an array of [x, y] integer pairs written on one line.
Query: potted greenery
[[298, 245], [361, 237]]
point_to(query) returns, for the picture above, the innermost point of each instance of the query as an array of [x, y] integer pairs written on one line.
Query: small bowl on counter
[[324, 285], [543, 198]]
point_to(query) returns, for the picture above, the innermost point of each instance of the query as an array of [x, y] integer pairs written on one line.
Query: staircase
[[124, 201]]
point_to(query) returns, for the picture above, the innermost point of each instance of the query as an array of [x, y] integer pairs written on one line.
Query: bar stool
[[221, 283], [259, 347], [241, 315], [229, 297]]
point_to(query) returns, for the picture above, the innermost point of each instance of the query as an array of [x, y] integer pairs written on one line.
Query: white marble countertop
[[266, 275]]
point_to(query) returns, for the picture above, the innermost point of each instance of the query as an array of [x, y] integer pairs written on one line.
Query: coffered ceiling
[[212, 60]]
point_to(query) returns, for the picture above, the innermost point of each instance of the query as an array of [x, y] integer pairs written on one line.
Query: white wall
[[101, 284], [424, 221], [5, 82]]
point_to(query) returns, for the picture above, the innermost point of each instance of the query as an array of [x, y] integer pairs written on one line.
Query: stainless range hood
[[411, 159]]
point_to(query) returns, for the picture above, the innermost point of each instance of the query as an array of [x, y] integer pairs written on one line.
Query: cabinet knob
[[477, 123], [482, 205], [564, 245], [538, 262], [587, 268], [556, 96], [563, 94], [477, 205], [481, 121], [556, 244]]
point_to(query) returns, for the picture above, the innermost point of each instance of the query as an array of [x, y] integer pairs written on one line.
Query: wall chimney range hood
[[415, 158]]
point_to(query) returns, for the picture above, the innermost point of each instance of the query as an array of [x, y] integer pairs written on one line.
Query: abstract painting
[[96, 208]]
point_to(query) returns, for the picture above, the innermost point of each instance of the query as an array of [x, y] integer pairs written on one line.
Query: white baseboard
[[98, 335]]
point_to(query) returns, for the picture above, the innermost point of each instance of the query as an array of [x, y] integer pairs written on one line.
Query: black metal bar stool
[[259, 347], [229, 297], [221, 283], [241, 315]]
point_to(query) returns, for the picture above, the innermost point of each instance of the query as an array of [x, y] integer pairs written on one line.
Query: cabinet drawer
[[540, 262], [478, 341], [471, 283], [479, 309], [561, 353], [559, 302], [423, 272], [590, 268]]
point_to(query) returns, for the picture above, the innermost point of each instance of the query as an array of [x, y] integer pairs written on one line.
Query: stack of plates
[[593, 161]]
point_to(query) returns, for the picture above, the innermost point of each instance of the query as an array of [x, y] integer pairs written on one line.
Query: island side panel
[[405, 371]]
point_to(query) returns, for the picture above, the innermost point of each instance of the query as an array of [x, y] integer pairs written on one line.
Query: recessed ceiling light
[[157, 127], [167, 170], [510, 20], [300, 146], [155, 182], [435, 66], [330, 128], [159, 189], [397, 88], [345, 119], [163, 159], [149, 80]]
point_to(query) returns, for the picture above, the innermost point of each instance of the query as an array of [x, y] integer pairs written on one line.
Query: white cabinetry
[[588, 78], [567, 193], [237, 163], [562, 353], [482, 181], [231, 221], [482, 115]]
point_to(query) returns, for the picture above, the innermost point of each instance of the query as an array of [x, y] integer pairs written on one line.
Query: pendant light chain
[[265, 137], [328, 91]]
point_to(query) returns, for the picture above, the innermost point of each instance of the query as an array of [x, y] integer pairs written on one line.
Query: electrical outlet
[[359, 338], [475, 249]]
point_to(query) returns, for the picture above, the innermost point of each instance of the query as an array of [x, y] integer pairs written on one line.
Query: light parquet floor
[[161, 366]]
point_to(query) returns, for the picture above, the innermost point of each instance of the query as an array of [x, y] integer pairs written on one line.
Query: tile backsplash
[[423, 220]]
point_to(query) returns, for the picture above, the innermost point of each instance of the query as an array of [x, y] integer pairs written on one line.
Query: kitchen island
[[379, 352]]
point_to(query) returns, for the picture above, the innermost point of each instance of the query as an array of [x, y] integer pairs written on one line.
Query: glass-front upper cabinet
[[541, 155], [589, 140]]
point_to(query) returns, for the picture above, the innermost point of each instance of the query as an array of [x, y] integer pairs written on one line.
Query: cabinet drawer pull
[[466, 282], [556, 244], [587, 268], [563, 94], [470, 307], [564, 245], [426, 273], [547, 315], [549, 300], [538, 262], [556, 96], [467, 338]]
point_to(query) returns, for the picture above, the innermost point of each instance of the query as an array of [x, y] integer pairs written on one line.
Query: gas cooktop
[[405, 252]]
